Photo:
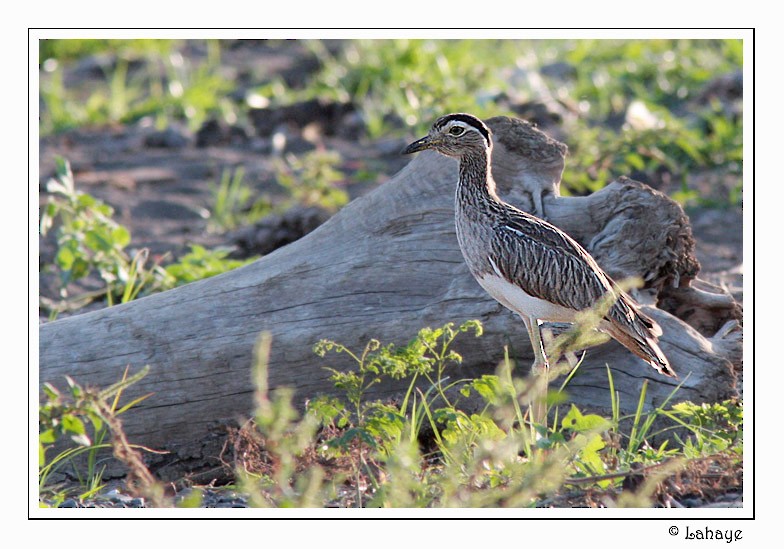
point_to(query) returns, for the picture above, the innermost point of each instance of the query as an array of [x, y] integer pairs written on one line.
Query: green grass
[[90, 243], [418, 80], [400, 86], [420, 450], [89, 419], [424, 450], [167, 86], [233, 204], [310, 179]]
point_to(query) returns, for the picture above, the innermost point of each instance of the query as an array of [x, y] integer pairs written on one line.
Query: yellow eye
[[456, 130]]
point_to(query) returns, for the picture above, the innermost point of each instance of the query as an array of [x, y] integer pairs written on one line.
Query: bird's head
[[454, 135]]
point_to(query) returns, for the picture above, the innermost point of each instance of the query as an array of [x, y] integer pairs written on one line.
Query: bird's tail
[[641, 337]]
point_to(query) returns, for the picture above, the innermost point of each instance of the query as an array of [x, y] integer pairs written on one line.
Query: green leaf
[[79, 268], [50, 391], [589, 453], [85, 200], [73, 424], [635, 161], [326, 409], [47, 437], [192, 500], [121, 236], [96, 421], [578, 422], [97, 240], [65, 258], [488, 387]]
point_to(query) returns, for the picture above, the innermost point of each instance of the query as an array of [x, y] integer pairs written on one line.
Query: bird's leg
[[541, 363], [540, 369]]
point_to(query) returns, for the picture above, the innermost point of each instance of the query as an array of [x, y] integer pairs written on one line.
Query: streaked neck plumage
[[475, 182]]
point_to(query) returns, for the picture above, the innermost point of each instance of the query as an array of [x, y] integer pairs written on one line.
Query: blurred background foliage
[[662, 111]]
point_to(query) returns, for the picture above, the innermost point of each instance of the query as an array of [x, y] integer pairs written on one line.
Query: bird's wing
[[546, 263]]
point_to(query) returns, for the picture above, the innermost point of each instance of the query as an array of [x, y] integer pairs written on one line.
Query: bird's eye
[[456, 130]]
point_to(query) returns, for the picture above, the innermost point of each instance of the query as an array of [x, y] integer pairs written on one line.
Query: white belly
[[514, 298]]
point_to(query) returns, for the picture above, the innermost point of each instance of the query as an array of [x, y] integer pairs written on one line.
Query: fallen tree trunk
[[383, 267]]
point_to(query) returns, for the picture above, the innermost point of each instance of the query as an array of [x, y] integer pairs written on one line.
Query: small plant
[[713, 428], [284, 439], [418, 80], [425, 450], [90, 419], [202, 263], [89, 241], [232, 206], [476, 451], [308, 180], [370, 427], [311, 179], [164, 84], [87, 238]]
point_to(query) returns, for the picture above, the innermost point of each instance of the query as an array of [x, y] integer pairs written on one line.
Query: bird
[[525, 263]]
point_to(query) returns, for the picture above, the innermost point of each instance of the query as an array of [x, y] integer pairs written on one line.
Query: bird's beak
[[418, 145]]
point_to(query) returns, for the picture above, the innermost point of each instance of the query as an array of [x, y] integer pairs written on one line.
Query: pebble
[[70, 503], [170, 138]]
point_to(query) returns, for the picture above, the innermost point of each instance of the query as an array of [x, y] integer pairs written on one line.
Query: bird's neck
[[475, 180]]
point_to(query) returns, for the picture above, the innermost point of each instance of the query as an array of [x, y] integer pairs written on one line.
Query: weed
[[308, 180], [89, 240], [417, 80], [713, 428], [169, 87], [69, 415], [311, 180], [201, 263], [285, 438], [231, 199], [604, 83]]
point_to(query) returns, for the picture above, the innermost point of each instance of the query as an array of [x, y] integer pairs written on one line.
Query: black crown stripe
[[471, 120]]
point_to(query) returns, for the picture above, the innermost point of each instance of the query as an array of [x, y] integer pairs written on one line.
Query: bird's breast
[[516, 299], [472, 237]]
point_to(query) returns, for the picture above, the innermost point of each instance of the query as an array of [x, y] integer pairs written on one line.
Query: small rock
[[137, 503], [117, 497], [170, 138], [69, 503], [692, 502], [215, 132], [277, 230], [327, 115]]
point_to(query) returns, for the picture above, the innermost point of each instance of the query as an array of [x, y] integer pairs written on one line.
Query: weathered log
[[383, 267]]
